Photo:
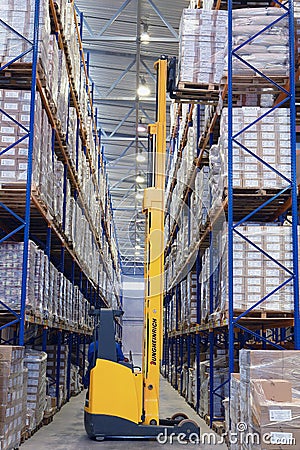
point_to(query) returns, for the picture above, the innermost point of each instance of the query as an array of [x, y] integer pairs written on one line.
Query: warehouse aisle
[[67, 430]]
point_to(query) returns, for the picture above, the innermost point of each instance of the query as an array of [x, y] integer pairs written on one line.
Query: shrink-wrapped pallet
[[201, 46], [11, 396], [36, 362], [268, 52]]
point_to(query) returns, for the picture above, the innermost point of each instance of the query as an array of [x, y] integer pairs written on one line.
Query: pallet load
[[269, 51], [52, 371], [270, 395], [256, 274], [268, 140], [36, 363], [201, 47], [11, 396]]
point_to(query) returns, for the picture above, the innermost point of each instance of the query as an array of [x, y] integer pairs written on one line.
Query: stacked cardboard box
[[11, 260], [270, 394], [20, 16], [220, 377], [52, 368], [49, 296], [234, 405], [11, 395], [255, 274], [36, 363], [268, 140], [201, 48]]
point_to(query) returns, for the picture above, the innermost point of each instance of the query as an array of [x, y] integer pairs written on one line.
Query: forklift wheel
[[188, 427], [99, 438], [179, 417]]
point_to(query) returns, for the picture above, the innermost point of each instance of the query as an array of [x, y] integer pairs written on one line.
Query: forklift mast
[[154, 209]]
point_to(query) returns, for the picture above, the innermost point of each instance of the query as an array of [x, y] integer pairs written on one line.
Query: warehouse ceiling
[[120, 58]]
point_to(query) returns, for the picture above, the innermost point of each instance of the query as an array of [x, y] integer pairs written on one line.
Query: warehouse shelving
[[25, 216], [219, 333]]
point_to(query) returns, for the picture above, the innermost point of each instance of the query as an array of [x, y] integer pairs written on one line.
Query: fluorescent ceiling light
[[140, 157], [143, 89], [139, 196], [140, 179]]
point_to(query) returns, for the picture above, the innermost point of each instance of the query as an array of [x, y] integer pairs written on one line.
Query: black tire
[[188, 427], [179, 417]]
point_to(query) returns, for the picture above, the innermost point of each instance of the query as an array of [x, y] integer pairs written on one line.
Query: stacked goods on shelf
[[201, 46], [50, 296], [76, 385], [192, 221], [21, 15], [268, 139], [11, 258], [52, 361], [61, 65], [255, 274], [12, 390], [36, 362], [220, 377], [234, 405], [205, 286], [270, 392], [268, 52]]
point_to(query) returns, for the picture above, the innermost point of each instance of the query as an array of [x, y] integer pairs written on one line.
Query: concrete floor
[[67, 429]]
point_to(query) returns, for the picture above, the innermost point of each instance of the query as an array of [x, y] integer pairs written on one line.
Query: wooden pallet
[[246, 200], [197, 92], [255, 84]]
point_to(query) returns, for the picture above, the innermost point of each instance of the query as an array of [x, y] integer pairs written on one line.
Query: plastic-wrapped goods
[[255, 275], [63, 91], [11, 396], [269, 51], [52, 369], [268, 139], [19, 15], [76, 385], [270, 393], [201, 48], [36, 363], [13, 162], [234, 406], [220, 377], [11, 263]]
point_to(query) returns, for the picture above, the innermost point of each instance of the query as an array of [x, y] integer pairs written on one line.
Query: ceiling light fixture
[[139, 196], [145, 37], [140, 179], [143, 89], [141, 126], [140, 158]]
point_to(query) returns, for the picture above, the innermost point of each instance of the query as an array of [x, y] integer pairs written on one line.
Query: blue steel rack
[[38, 227], [235, 332]]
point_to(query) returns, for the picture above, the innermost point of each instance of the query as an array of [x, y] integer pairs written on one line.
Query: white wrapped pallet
[[36, 363], [201, 48]]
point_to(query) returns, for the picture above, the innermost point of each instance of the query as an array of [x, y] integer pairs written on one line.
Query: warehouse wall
[[133, 305]]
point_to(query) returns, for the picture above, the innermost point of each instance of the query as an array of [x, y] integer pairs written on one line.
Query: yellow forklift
[[123, 400]]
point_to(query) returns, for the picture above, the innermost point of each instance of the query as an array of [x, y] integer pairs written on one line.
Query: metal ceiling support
[[112, 164], [163, 19], [114, 17], [124, 99], [120, 138], [86, 24], [122, 121], [148, 70], [120, 78], [97, 39]]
